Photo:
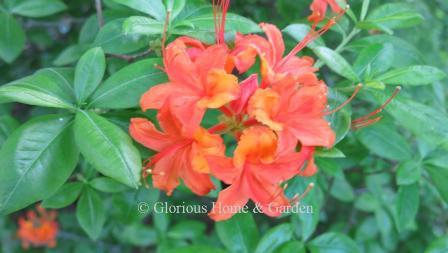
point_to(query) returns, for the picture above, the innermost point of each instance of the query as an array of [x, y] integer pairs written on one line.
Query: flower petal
[[145, 133], [230, 201]]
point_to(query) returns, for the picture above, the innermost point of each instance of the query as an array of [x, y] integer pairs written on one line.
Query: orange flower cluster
[[277, 116], [38, 229]]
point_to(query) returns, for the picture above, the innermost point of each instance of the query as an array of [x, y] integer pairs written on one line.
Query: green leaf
[[37, 8], [390, 16], [439, 177], [65, 196], [274, 238], [90, 213], [202, 27], [108, 185], [238, 234], [89, 73], [196, 249], [292, 246], [374, 59], [7, 125], [153, 8], [408, 172], [412, 76], [298, 33], [143, 26], [384, 141], [438, 246], [187, 230], [107, 148], [125, 87], [138, 235], [47, 87], [35, 161], [336, 62], [174, 7], [408, 201], [114, 40], [341, 188], [69, 55], [12, 38], [333, 243]]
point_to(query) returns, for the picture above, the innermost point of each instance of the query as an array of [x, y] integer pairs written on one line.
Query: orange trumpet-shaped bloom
[[295, 112], [180, 155], [319, 9], [255, 172], [197, 81], [274, 66], [38, 229]]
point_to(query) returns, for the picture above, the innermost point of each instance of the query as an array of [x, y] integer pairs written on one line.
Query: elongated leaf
[[408, 172], [238, 234], [174, 7], [90, 213], [105, 184], [124, 88], [374, 59], [438, 246], [384, 141], [7, 125], [154, 8], [48, 87], [89, 73], [35, 161], [333, 243], [336, 62], [69, 55], [107, 148], [12, 38], [38, 8], [408, 202], [412, 76], [114, 40], [188, 230], [274, 238], [143, 26], [439, 177], [65, 196]]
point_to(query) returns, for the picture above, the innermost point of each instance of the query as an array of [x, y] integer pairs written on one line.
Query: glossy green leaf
[[65, 196], [90, 213], [124, 88], [384, 141], [174, 7], [143, 26], [196, 249], [341, 188], [336, 62], [333, 243], [12, 38], [374, 59], [438, 246], [439, 177], [35, 161], [274, 238], [114, 40], [89, 73], [37, 8], [108, 185], [408, 172], [7, 125], [138, 235], [292, 246], [412, 76], [69, 55], [238, 234], [107, 148], [47, 87], [154, 8], [408, 202], [188, 230]]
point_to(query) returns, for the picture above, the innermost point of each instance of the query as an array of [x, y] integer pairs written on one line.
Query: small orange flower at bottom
[[38, 229]]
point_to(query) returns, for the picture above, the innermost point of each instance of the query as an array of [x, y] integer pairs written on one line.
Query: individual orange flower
[[274, 66], [319, 9], [38, 229], [295, 112], [181, 155], [197, 81], [255, 172]]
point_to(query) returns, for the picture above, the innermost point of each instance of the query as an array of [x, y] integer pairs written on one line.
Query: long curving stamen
[[357, 89], [217, 128], [380, 109], [220, 8], [369, 122], [297, 198]]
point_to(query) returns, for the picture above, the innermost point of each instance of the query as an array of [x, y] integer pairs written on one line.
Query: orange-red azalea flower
[[38, 229], [274, 66], [295, 112], [255, 172], [197, 81], [319, 9], [181, 155]]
